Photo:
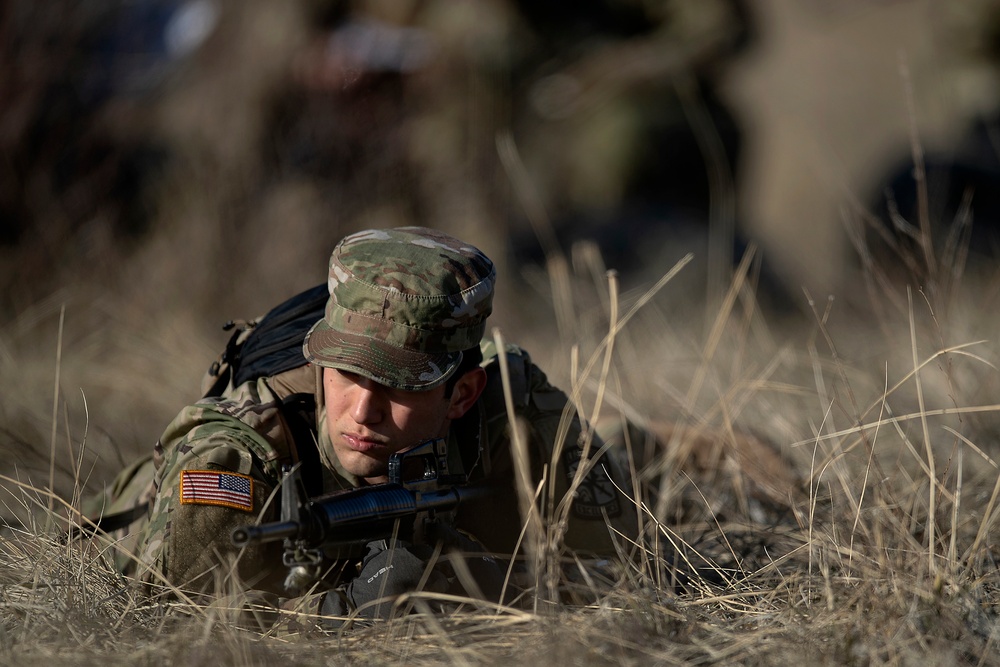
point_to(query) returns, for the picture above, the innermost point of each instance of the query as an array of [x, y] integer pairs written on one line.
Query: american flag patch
[[210, 487]]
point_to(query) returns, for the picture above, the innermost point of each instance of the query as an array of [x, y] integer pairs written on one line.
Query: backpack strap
[[267, 345], [220, 373], [275, 344], [518, 367], [299, 412]]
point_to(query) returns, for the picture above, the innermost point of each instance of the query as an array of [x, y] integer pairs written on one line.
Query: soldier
[[398, 358]]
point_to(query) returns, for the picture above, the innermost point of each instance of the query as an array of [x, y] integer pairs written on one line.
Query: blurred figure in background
[[951, 188], [610, 107], [387, 113], [82, 160]]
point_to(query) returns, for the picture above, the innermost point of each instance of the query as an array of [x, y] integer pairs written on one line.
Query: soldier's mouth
[[362, 444]]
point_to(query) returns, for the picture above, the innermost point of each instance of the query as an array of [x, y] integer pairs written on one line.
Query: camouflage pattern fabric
[[245, 433], [132, 488], [602, 503], [403, 305]]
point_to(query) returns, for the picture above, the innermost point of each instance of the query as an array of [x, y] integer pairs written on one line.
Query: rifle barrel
[[266, 532], [323, 517]]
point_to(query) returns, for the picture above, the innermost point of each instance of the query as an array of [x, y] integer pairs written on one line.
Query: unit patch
[[596, 495], [211, 487]]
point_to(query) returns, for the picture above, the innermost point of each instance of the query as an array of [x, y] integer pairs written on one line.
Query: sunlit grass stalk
[[55, 407], [931, 465], [533, 530]]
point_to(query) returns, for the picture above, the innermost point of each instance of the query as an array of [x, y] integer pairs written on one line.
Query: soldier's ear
[[467, 391]]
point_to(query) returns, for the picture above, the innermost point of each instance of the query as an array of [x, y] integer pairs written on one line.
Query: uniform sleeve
[[208, 481], [601, 507], [601, 510]]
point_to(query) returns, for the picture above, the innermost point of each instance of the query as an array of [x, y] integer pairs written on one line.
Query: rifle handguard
[[345, 515]]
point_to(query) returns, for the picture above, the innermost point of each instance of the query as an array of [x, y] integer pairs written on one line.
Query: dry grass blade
[[55, 405], [893, 419], [527, 493], [931, 465]]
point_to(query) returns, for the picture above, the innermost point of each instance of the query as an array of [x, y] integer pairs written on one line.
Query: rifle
[[420, 480]]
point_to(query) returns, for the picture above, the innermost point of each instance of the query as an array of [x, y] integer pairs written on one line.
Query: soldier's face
[[368, 422]]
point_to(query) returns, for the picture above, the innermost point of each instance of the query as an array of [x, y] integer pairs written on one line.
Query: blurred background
[[169, 165]]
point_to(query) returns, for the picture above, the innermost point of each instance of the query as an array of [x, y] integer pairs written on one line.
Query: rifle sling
[[109, 523]]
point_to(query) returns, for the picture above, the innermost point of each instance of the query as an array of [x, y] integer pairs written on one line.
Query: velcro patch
[[211, 487], [597, 494]]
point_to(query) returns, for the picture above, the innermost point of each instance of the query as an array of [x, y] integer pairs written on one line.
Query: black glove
[[483, 567], [390, 569]]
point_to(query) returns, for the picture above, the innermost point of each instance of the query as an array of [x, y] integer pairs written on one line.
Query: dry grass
[[884, 551], [833, 478]]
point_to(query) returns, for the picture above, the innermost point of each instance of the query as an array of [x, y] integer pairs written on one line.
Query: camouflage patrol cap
[[403, 305]]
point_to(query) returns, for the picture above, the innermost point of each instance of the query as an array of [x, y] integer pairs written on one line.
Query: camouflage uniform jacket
[[250, 434]]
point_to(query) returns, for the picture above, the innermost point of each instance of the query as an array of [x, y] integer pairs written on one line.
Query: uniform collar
[[465, 452]]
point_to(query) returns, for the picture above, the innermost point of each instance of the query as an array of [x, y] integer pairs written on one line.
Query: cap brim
[[385, 364]]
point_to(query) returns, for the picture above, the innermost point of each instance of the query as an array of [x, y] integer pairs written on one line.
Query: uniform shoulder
[[248, 419], [491, 353], [529, 385]]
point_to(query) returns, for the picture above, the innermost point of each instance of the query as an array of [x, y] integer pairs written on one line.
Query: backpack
[[267, 345], [257, 348]]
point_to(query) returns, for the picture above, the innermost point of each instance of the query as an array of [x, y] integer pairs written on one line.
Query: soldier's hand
[[486, 573], [390, 569]]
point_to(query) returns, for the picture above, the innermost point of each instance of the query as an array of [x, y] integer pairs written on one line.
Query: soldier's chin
[[364, 466]]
